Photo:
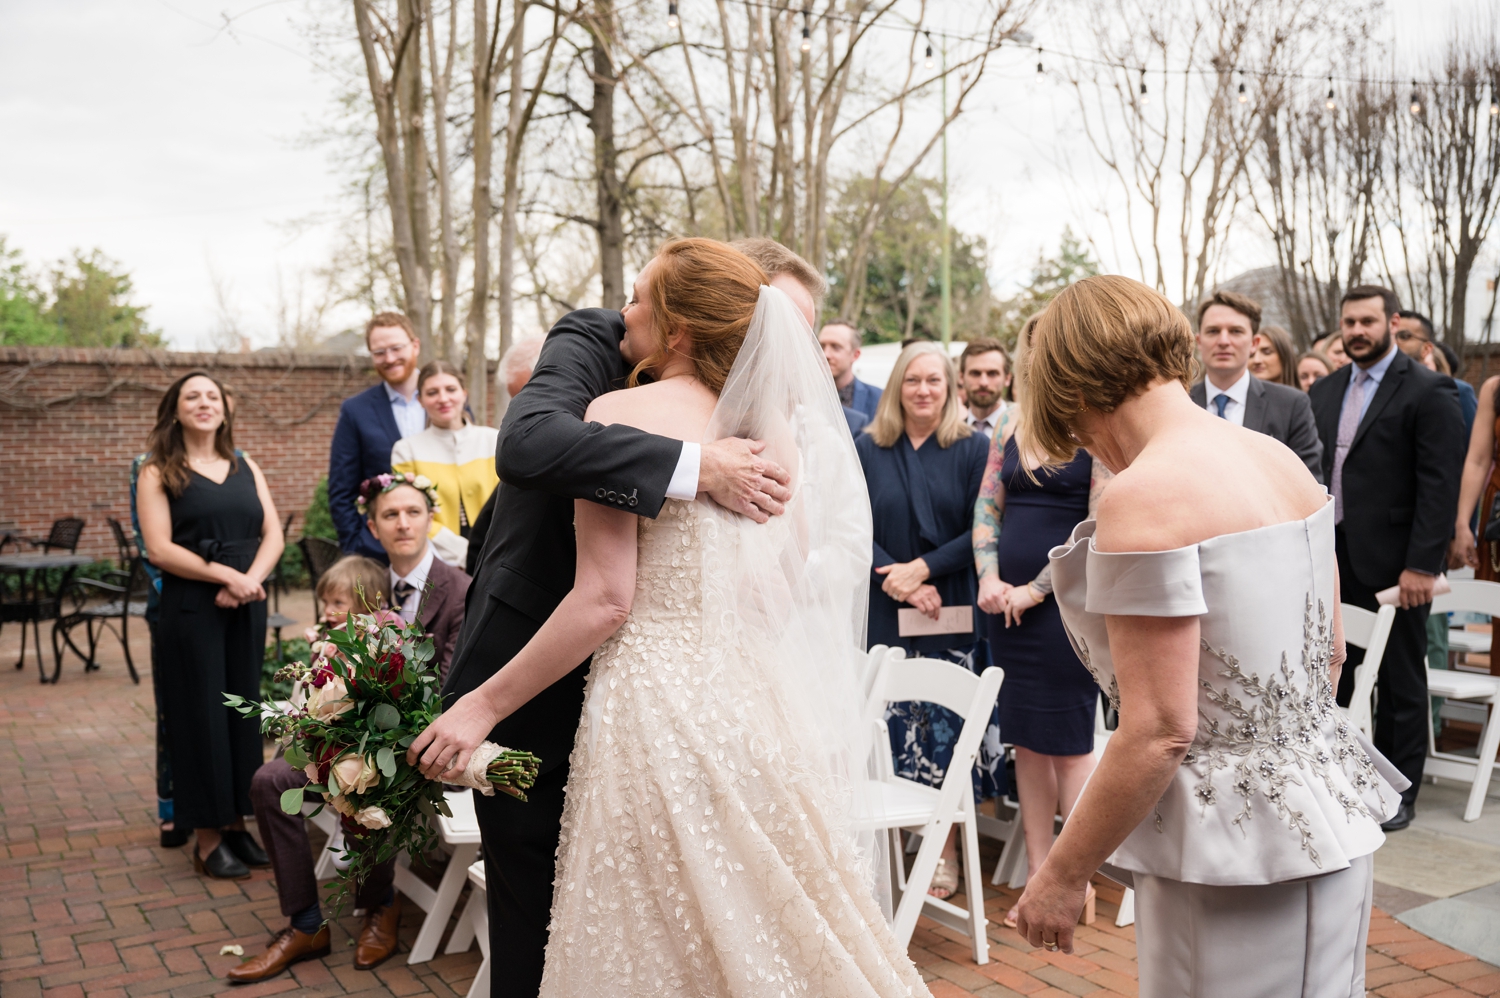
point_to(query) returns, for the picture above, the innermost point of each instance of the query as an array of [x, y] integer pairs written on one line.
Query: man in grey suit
[[1227, 328]]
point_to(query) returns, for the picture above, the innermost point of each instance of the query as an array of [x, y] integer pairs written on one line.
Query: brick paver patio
[[90, 905]]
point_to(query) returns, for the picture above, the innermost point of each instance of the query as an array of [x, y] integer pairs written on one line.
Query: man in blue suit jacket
[[841, 341], [369, 425]]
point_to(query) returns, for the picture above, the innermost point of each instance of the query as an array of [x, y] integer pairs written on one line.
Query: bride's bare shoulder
[[677, 408]]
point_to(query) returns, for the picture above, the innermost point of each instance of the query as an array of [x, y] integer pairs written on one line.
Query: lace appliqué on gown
[[694, 859], [1277, 731]]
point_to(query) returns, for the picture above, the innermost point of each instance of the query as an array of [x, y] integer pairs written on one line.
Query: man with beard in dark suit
[[1393, 452], [548, 457]]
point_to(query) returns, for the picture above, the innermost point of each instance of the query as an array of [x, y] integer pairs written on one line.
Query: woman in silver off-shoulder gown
[[1235, 797]]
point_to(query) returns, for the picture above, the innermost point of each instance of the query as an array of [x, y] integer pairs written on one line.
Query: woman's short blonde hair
[[890, 422], [363, 580], [1099, 342]]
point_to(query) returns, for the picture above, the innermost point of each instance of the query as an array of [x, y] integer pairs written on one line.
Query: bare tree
[[442, 80], [1452, 143], [397, 98], [1315, 184], [1179, 155]]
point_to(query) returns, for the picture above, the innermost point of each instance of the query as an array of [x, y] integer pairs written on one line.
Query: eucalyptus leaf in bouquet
[[370, 690]]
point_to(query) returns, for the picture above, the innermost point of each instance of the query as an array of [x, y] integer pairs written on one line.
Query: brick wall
[[71, 421]]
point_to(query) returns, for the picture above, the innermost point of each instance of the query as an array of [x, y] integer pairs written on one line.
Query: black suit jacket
[[1280, 412], [441, 612], [548, 456], [1402, 471]]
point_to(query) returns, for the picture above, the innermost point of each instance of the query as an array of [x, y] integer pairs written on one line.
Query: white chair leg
[[1489, 742], [325, 870], [1015, 847], [424, 947], [1127, 909], [477, 914], [463, 931], [481, 986], [910, 908], [974, 888]]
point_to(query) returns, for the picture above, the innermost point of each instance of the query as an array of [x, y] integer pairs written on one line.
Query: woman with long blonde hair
[[922, 467]]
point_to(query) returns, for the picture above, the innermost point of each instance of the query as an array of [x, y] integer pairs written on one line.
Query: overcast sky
[[142, 128]]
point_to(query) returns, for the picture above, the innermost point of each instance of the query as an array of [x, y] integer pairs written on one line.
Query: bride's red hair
[[709, 290]]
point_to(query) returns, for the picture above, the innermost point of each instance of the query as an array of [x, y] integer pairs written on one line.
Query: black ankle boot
[[243, 845], [221, 864], [173, 838]]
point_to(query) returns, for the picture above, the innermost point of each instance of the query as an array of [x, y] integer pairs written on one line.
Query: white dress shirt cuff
[[684, 484]]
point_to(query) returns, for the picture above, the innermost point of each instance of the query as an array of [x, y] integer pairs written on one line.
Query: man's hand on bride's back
[[736, 476]]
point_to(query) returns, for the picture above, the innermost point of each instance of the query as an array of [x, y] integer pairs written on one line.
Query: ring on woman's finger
[[1050, 947]]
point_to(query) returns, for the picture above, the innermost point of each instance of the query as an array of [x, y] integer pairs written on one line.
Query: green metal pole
[[945, 277]]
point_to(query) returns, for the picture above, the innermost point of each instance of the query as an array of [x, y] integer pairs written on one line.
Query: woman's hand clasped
[[1048, 911], [1019, 599], [903, 578], [927, 600], [992, 590], [243, 589], [1463, 550], [443, 750]]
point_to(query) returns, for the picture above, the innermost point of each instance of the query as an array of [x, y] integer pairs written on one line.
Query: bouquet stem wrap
[[493, 767]]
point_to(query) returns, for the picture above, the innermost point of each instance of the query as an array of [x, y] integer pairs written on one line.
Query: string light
[[806, 31], [672, 21], [1416, 99], [1494, 98], [928, 63], [1330, 103], [1039, 60], [1145, 97]]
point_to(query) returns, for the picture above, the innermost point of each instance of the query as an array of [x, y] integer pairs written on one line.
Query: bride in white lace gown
[[706, 847]]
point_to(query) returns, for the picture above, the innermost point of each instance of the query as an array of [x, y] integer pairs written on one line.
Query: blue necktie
[[1220, 403]]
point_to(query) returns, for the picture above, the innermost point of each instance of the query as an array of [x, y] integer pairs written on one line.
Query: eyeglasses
[[391, 351], [1406, 334]]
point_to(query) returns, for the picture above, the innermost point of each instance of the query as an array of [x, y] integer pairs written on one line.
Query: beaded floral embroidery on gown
[[695, 856]]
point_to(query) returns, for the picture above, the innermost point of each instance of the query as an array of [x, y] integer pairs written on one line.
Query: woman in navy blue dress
[[1048, 700], [923, 467]]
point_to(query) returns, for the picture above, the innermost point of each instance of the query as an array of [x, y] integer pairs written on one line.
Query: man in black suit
[[1393, 453], [1228, 324], [548, 457]]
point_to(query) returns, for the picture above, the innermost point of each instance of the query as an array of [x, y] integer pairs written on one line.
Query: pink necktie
[[1348, 425]]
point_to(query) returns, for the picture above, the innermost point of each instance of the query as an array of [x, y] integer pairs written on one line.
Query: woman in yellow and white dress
[[456, 455]]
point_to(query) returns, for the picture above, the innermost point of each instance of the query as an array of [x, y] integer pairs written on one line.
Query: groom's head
[[789, 273]]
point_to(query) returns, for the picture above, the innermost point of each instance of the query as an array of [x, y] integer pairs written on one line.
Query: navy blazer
[[923, 506], [866, 398], [857, 420], [361, 449]]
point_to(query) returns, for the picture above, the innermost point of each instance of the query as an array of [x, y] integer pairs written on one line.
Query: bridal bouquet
[[371, 690]]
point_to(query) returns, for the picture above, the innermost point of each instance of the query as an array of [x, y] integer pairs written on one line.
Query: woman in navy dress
[[1048, 700], [923, 467]]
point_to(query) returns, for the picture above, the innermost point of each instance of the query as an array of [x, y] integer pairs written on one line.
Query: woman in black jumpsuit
[[211, 528]]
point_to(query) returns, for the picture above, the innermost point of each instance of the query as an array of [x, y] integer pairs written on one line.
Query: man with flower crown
[[397, 510]]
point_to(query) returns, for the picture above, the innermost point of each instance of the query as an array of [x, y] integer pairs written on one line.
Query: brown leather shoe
[[287, 947], [378, 939]]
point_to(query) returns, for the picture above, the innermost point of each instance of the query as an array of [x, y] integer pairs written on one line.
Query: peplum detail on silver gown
[[1278, 785]]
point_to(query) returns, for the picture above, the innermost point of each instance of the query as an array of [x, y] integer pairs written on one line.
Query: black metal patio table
[[33, 600]]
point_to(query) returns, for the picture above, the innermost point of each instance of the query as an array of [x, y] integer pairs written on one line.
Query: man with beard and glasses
[[984, 373], [369, 425], [1393, 453]]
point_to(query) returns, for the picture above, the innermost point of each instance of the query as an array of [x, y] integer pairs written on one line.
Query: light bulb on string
[[672, 21], [1416, 99], [1494, 98], [1145, 97], [928, 62], [1244, 97], [1039, 60], [806, 29], [1330, 103]]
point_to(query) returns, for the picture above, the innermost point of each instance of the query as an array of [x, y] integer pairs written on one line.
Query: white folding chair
[[891, 803], [1468, 596], [475, 923], [1369, 631], [461, 834]]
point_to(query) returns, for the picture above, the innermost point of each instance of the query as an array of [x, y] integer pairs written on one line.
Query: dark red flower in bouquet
[[391, 664], [324, 758]]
